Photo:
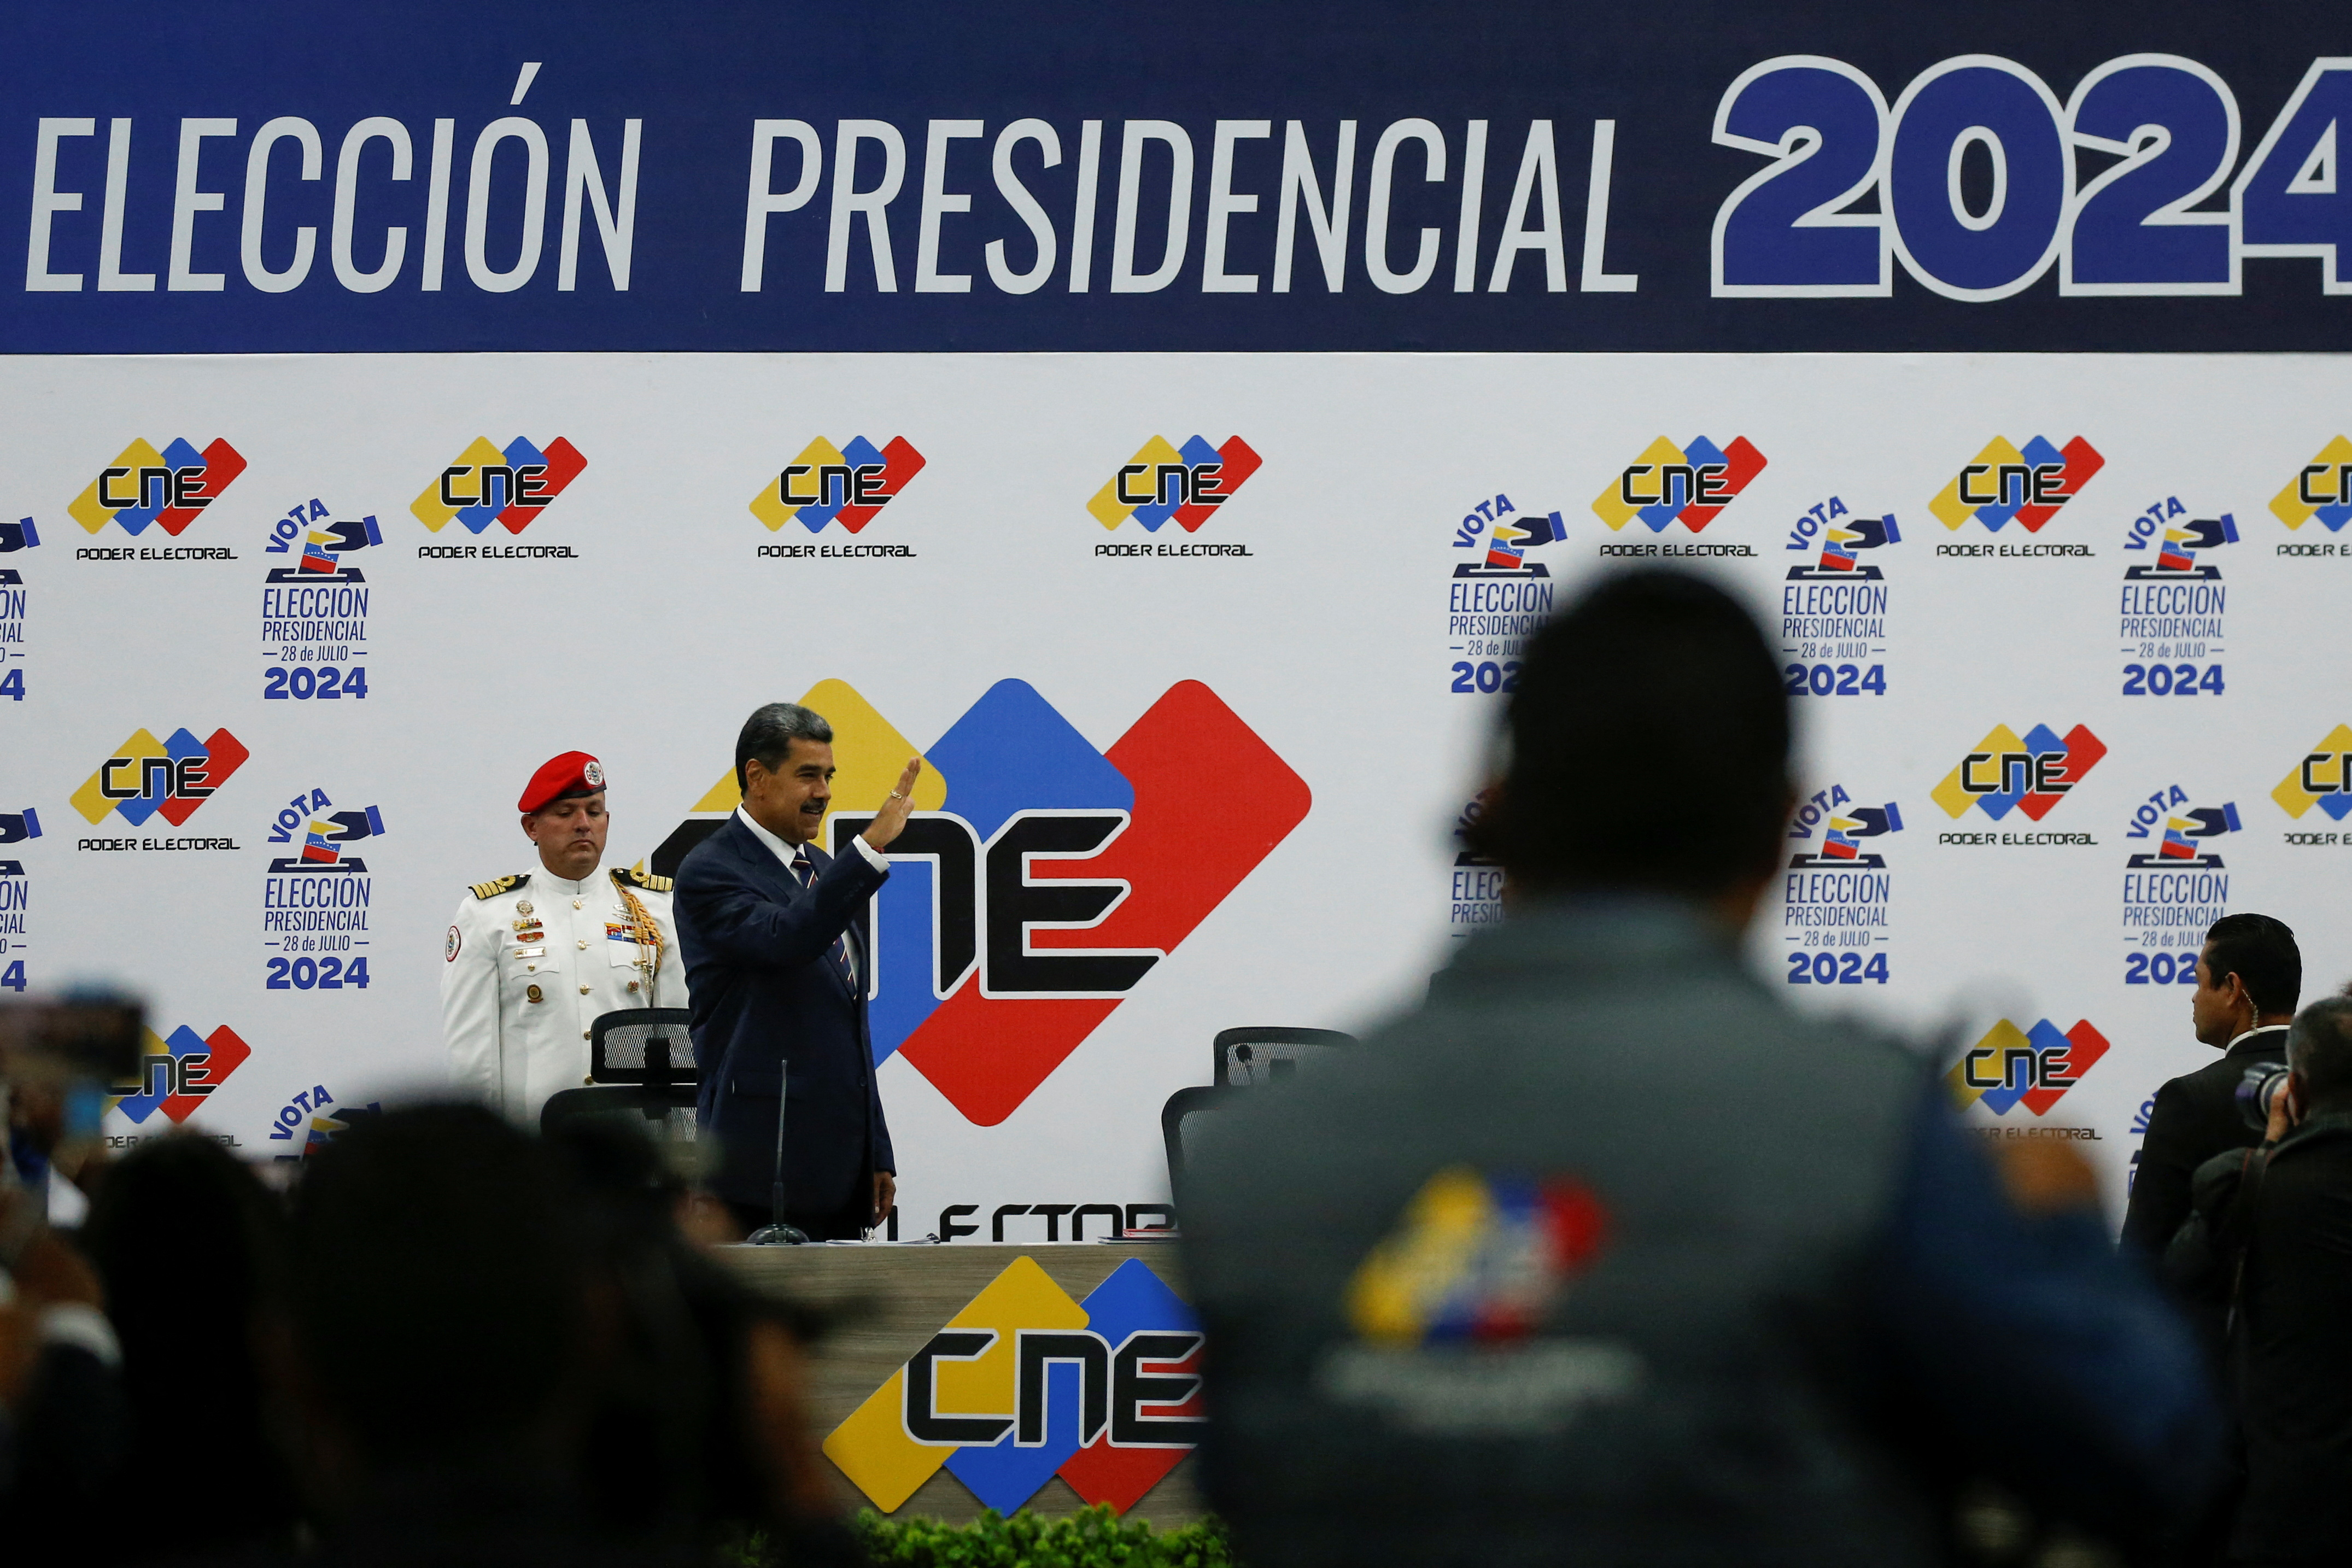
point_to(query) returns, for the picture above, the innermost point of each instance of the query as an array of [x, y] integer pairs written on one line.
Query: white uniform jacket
[[532, 961]]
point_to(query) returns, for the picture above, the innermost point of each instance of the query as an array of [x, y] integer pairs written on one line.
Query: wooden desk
[[906, 1294]]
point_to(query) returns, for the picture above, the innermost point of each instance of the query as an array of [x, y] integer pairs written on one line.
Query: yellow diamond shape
[[873, 1447], [2288, 505], [1610, 505], [1402, 1282], [868, 749], [90, 799], [1948, 507], [430, 510], [1999, 1039], [2290, 793], [1107, 509], [1955, 800], [94, 514]]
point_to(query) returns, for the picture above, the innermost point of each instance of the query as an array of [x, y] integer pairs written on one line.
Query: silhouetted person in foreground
[[504, 1353], [1604, 1256], [449, 1343], [192, 1249]]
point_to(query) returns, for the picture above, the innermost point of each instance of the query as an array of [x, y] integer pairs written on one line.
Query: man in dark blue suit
[[773, 932]]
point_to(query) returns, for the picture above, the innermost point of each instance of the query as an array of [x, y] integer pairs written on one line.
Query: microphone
[[776, 1233]]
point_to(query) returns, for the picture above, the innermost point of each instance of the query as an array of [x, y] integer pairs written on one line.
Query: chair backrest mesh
[[1259, 1056], [647, 1046]]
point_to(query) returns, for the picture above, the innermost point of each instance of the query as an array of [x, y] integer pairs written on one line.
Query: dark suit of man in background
[[774, 933], [2286, 1210], [2248, 978]]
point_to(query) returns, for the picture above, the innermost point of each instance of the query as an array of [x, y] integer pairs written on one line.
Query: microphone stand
[[776, 1233]]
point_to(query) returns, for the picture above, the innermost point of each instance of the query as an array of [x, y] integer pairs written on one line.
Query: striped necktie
[[804, 872]]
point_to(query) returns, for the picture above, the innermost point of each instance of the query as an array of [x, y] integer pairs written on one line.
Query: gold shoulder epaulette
[[650, 883], [497, 885]]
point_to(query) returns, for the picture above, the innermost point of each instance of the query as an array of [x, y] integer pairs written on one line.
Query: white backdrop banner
[[1224, 635]]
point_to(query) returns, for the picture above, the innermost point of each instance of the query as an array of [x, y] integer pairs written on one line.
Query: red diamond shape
[[1211, 799]]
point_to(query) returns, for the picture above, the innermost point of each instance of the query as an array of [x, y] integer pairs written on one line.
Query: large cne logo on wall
[[2033, 1068], [177, 1071], [148, 777], [849, 484], [509, 488], [2025, 485], [169, 489], [1690, 484], [1025, 1384], [1040, 880], [2005, 773], [2323, 778], [1163, 483]]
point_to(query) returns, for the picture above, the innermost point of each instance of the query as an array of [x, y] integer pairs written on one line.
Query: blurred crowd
[[452, 1342]]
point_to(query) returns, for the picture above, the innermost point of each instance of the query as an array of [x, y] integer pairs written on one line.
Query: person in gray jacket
[[1604, 1256]]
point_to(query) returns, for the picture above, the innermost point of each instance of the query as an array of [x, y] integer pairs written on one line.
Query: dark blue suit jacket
[[768, 1003]]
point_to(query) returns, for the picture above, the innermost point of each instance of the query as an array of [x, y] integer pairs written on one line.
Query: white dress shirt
[[788, 853]]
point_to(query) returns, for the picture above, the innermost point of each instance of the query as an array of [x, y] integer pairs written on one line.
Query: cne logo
[[1039, 879], [169, 489], [509, 488], [176, 1071], [146, 777], [14, 536], [2027, 486], [1025, 1384], [2321, 488], [2033, 1068], [1475, 1258], [2323, 778], [849, 484], [1162, 482], [1692, 483], [2005, 773]]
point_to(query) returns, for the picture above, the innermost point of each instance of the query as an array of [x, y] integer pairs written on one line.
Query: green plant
[[1096, 1538]]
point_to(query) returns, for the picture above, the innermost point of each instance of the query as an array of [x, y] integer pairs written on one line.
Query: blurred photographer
[[2276, 1235], [63, 1428]]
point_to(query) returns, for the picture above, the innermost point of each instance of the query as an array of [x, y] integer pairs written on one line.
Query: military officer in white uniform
[[533, 959]]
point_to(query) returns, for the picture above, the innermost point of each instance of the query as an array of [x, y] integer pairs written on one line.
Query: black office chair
[[641, 1061], [1264, 1054], [1181, 1121]]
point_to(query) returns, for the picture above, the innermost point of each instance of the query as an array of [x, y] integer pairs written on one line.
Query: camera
[[2261, 1085]]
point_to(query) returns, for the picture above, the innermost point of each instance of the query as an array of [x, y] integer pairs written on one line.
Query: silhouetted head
[[440, 1292], [191, 1251], [1649, 745], [2319, 1048]]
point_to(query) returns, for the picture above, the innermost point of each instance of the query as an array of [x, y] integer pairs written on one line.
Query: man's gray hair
[[2320, 1046], [768, 733]]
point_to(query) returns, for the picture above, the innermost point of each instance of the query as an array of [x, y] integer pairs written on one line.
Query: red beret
[[574, 773]]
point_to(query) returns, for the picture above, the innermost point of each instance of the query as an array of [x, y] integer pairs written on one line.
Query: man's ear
[[530, 821]]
